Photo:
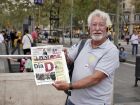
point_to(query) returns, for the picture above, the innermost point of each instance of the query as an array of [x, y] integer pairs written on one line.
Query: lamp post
[[117, 23], [39, 3], [98, 4], [71, 29]]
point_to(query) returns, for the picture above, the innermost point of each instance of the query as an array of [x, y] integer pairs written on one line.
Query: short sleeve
[[109, 62], [72, 51]]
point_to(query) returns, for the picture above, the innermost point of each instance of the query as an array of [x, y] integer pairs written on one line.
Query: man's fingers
[[58, 82], [60, 85]]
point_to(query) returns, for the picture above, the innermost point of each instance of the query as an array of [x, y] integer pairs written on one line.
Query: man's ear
[[107, 29]]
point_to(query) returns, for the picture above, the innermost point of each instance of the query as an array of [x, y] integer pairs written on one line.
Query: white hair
[[99, 13]]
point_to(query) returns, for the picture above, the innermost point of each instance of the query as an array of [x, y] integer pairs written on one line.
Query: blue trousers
[[69, 102], [134, 49]]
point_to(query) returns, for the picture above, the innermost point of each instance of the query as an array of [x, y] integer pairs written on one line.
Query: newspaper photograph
[[49, 64]]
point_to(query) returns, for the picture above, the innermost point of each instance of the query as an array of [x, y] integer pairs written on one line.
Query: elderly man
[[92, 79]]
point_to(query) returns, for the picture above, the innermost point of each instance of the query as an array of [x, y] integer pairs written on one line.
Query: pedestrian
[[92, 79], [21, 63], [13, 36], [122, 54], [134, 41], [35, 35], [1, 37], [46, 34], [28, 63], [17, 42], [118, 46], [26, 41], [127, 38]]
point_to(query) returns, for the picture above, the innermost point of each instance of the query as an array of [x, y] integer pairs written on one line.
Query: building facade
[[131, 18]]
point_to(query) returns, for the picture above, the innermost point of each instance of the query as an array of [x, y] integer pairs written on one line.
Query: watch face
[[70, 86]]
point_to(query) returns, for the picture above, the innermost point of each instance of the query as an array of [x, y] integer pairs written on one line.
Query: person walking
[[134, 41], [13, 36], [17, 42], [93, 73], [127, 38], [26, 41]]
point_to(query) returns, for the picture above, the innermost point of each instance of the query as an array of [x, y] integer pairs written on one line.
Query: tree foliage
[[136, 3], [15, 11]]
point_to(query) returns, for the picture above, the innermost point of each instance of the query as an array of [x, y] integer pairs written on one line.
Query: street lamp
[[117, 32], [39, 3], [98, 4], [71, 29]]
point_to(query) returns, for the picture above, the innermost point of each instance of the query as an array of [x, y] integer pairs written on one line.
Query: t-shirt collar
[[103, 44]]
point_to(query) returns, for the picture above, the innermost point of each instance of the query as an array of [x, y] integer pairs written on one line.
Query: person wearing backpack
[[27, 41], [94, 67]]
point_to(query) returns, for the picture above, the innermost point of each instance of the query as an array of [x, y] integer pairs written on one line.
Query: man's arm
[[88, 81], [15, 60], [91, 80]]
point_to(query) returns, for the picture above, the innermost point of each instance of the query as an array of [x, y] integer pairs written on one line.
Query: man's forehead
[[98, 19]]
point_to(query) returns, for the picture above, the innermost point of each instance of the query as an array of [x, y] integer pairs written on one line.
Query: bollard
[[137, 70]]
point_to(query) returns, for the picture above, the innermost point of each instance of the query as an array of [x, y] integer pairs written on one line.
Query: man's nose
[[97, 27]]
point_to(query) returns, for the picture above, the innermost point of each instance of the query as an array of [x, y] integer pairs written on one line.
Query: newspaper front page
[[49, 64]]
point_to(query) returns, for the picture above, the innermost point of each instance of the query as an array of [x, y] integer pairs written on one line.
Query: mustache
[[96, 34]]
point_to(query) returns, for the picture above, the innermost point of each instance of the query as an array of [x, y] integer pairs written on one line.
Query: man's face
[[98, 28]]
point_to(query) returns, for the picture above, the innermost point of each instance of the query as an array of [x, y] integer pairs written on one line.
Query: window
[[126, 17], [123, 5], [137, 17]]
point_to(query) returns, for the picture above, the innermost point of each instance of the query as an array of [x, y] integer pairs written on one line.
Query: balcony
[[127, 10]]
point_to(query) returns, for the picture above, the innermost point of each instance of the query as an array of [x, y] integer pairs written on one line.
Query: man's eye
[[93, 24], [102, 25]]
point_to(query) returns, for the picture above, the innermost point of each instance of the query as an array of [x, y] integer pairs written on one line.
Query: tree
[[17, 10], [136, 3]]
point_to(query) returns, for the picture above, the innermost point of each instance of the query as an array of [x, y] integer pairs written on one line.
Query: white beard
[[97, 37]]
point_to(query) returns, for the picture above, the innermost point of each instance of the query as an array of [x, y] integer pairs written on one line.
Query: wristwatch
[[70, 86]]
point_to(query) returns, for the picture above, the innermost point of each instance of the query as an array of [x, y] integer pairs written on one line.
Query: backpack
[[71, 66]]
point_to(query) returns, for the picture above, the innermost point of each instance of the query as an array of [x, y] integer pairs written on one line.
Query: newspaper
[[49, 64]]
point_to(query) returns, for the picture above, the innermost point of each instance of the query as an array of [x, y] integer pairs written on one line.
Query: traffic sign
[[39, 2]]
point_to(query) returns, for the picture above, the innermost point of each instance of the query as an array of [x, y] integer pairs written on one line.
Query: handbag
[[32, 43]]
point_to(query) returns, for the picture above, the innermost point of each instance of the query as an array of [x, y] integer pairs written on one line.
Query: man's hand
[[61, 85], [66, 55], [65, 51]]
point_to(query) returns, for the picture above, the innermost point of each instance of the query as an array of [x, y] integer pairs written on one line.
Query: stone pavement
[[130, 99]]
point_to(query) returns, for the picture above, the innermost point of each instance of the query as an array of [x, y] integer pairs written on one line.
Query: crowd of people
[[16, 40], [133, 40], [21, 42]]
